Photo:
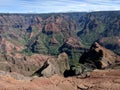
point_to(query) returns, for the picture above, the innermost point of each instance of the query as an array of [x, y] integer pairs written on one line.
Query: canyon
[[79, 51]]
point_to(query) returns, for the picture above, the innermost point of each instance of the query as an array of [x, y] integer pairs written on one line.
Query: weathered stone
[[54, 66], [63, 62]]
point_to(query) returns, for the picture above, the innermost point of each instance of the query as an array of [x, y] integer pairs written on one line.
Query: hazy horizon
[[57, 6]]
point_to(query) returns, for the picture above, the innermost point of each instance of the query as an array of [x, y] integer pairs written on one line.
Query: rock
[[99, 57], [63, 62], [54, 66], [50, 68], [73, 43]]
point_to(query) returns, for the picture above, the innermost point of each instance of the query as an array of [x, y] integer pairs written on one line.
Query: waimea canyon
[[60, 51]]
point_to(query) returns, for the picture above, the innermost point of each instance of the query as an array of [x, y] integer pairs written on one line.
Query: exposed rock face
[[25, 65], [50, 28], [7, 47], [63, 62], [49, 68], [73, 43], [99, 57], [56, 24], [54, 66]]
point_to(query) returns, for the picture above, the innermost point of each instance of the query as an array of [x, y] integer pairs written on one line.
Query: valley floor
[[98, 80]]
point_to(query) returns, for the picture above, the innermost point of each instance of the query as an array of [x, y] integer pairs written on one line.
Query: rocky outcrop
[[49, 68], [63, 62], [22, 64], [70, 44], [50, 28], [54, 66], [73, 43], [99, 57]]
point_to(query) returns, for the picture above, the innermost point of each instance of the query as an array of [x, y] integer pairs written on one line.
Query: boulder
[[63, 62], [54, 66], [49, 68]]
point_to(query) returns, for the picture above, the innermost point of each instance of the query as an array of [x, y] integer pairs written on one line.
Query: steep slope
[[100, 25], [99, 57], [22, 64], [112, 43]]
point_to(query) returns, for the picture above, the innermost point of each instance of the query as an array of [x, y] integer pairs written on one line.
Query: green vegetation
[[86, 27]]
